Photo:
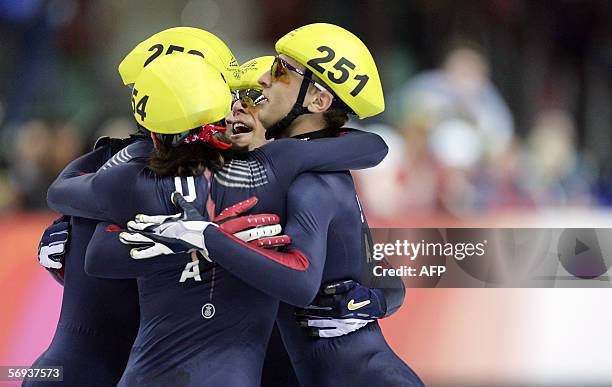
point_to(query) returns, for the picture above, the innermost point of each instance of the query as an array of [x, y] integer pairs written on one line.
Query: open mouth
[[240, 128], [249, 98], [260, 100]]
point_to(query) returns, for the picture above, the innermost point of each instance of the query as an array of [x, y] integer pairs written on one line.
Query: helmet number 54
[[139, 108], [343, 65]]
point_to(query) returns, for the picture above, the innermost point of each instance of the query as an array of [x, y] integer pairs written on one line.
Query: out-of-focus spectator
[[553, 170], [454, 123], [8, 195], [381, 187], [116, 127], [66, 146], [40, 153], [29, 163], [459, 92]]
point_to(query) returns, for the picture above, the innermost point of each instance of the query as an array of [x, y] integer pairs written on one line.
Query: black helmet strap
[[297, 110]]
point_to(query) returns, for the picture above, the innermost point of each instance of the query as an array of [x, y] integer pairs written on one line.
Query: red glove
[[260, 230]]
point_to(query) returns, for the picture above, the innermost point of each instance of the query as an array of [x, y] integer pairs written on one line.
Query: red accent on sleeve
[[113, 228], [292, 259], [210, 203]]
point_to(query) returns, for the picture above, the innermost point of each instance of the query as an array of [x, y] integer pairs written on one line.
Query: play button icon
[[580, 253]]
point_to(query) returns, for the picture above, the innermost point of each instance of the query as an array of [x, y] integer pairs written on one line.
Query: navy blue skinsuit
[[176, 342], [87, 342], [324, 219], [331, 229], [362, 358]]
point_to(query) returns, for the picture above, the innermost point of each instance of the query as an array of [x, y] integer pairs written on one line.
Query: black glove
[[116, 144], [340, 308], [52, 247]]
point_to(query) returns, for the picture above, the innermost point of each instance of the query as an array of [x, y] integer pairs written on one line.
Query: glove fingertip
[[177, 198], [313, 332], [329, 291], [252, 200]]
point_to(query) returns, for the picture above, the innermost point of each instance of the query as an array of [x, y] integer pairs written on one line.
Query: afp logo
[[208, 311]]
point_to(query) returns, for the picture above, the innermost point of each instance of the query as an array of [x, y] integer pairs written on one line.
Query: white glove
[[153, 235], [46, 252], [167, 234], [332, 327]]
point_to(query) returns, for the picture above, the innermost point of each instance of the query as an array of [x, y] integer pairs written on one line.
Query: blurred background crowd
[[495, 109], [491, 105]]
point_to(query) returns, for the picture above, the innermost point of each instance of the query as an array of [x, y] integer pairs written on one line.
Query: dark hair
[[335, 117], [184, 159]]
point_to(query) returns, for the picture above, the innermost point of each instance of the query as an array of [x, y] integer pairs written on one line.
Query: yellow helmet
[[341, 61], [180, 39], [179, 92], [252, 70]]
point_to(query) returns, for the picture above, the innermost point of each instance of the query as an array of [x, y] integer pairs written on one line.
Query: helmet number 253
[[343, 66], [157, 50]]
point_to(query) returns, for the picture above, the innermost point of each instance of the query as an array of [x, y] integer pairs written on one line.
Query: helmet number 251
[[343, 66]]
